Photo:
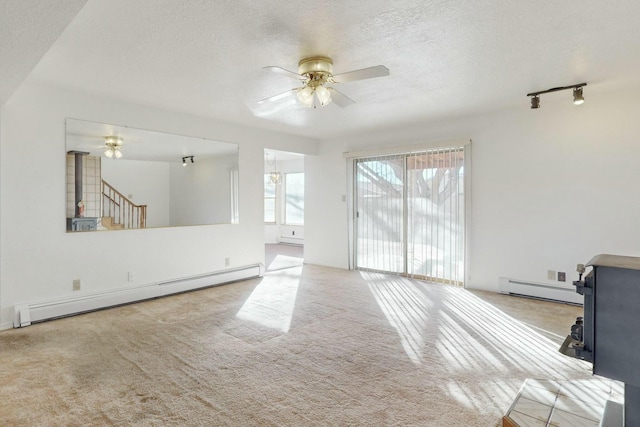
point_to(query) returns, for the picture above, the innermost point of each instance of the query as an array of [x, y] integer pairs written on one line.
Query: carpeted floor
[[303, 346], [279, 256]]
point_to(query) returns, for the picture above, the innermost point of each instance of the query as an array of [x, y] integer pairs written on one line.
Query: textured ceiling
[[28, 28], [447, 58]]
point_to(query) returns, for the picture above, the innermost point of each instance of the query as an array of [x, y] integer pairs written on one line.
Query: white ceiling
[[447, 58], [28, 28], [141, 144]]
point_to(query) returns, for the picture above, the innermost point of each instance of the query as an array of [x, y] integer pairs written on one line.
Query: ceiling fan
[[316, 73]]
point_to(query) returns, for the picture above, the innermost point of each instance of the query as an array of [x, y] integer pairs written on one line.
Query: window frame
[[267, 177]]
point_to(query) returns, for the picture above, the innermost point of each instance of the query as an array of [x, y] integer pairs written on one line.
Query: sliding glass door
[[380, 225], [409, 214]]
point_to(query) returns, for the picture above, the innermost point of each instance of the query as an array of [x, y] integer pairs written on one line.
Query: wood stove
[[608, 335]]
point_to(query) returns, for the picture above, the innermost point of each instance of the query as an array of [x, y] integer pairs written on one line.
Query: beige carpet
[[281, 256], [300, 347]]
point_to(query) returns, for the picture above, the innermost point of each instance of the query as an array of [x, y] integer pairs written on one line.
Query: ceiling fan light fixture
[[323, 94], [305, 96], [316, 72], [109, 153], [315, 64]]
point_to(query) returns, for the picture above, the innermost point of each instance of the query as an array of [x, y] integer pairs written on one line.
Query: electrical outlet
[[227, 262], [77, 284], [562, 276], [131, 276], [551, 275]]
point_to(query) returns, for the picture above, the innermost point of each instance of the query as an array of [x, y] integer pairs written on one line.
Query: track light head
[[535, 102], [578, 98], [184, 160]]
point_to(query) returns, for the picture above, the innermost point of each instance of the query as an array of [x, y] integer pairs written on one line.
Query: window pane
[[270, 210], [269, 188], [294, 198]]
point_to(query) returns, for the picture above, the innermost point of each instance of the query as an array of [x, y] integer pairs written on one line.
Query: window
[[294, 198], [269, 200]]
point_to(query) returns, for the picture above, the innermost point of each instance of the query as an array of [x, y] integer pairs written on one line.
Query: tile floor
[[580, 403]]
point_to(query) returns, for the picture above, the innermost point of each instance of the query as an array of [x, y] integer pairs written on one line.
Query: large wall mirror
[[124, 178]]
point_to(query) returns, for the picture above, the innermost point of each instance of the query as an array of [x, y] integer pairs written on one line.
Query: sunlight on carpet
[[272, 302], [282, 262], [467, 333]]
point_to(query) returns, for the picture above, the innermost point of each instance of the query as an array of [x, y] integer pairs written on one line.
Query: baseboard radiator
[[566, 294], [26, 314], [291, 240]]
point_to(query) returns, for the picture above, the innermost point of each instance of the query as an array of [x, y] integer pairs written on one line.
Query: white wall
[[551, 187], [200, 191], [40, 260], [146, 181]]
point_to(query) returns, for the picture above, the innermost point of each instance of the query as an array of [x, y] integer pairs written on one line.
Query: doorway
[[283, 209]]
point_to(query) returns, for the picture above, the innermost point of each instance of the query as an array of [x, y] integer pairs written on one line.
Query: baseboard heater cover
[[25, 314], [541, 291], [291, 240]]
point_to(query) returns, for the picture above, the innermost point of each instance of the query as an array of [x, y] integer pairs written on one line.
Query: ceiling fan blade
[[340, 98], [279, 96], [365, 73], [282, 72]]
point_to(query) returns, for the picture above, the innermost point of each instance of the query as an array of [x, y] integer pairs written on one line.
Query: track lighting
[[535, 102], [578, 98], [184, 160]]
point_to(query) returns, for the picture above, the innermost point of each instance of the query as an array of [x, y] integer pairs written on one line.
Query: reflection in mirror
[[125, 178]]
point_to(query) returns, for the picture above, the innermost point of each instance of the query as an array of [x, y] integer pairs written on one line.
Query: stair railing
[[121, 209]]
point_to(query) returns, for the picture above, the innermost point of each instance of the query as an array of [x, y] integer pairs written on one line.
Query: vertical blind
[[410, 214]]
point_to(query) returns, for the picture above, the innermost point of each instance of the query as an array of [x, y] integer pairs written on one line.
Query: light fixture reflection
[[184, 160], [113, 145]]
